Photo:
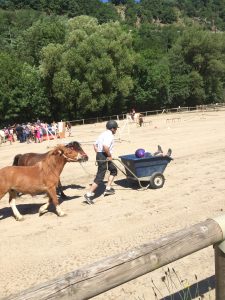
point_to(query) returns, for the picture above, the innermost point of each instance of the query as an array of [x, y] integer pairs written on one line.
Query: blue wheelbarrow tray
[[147, 171]]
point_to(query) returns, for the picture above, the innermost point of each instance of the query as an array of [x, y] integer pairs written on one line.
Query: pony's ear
[[57, 151], [60, 151]]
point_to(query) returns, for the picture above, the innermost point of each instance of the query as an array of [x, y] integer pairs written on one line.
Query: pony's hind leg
[[44, 208], [2, 192], [12, 202]]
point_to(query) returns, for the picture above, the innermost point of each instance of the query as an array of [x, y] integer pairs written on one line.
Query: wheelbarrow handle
[[117, 159]]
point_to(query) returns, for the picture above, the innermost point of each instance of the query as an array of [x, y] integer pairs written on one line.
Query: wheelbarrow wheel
[[157, 180]]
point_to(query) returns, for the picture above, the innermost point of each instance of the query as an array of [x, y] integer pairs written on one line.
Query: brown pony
[[42, 177], [29, 159]]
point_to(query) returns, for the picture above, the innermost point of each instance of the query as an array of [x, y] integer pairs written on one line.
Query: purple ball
[[139, 153]]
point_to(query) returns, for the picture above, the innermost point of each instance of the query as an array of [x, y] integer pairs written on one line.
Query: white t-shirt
[[105, 139]]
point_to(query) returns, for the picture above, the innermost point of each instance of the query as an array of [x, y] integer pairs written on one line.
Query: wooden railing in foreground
[[113, 271]]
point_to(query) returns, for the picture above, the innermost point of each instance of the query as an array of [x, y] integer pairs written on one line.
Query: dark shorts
[[103, 166]]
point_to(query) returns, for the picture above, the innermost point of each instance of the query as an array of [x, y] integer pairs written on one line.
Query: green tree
[[33, 101], [22, 96], [9, 81], [119, 2], [152, 79], [197, 65], [152, 74], [91, 71], [43, 32], [71, 8], [12, 23]]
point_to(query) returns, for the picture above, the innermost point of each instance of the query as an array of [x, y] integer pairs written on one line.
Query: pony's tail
[[16, 159]]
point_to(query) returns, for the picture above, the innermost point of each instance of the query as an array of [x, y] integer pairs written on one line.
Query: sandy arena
[[43, 248]]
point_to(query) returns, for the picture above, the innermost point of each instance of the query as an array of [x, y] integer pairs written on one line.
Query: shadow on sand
[[31, 208], [195, 291]]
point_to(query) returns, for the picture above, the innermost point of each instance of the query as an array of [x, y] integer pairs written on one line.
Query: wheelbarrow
[[147, 171]]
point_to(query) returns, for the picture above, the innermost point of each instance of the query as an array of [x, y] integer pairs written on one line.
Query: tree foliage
[[196, 61], [21, 91], [74, 59], [91, 71]]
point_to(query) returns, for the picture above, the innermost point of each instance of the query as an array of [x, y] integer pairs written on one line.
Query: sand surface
[[43, 248]]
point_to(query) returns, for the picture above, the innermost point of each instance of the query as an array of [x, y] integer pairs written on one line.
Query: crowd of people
[[30, 132]]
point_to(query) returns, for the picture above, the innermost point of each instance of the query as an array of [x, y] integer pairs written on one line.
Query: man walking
[[104, 149]]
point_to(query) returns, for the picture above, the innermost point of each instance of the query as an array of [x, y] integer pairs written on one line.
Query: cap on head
[[111, 124]]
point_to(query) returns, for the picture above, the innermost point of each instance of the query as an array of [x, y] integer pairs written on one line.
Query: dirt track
[[42, 248]]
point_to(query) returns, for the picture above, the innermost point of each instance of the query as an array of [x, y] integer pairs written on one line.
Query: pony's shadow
[[73, 186], [67, 198], [31, 208], [24, 209]]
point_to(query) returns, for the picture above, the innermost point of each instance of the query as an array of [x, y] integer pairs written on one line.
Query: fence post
[[220, 272], [220, 261]]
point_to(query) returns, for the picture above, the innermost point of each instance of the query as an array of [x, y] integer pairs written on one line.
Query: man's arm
[[107, 151], [95, 148]]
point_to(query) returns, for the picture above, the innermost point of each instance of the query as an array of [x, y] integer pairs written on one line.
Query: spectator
[[68, 127], [19, 133]]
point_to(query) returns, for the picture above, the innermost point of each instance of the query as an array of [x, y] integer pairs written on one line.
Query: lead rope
[[85, 171], [69, 159], [95, 164]]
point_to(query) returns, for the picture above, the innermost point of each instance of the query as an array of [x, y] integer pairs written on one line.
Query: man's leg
[[110, 181], [113, 172], [102, 168]]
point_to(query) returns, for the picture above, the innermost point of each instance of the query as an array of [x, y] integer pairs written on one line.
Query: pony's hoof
[[63, 196], [59, 211], [20, 218], [42, 212], [62, 215]]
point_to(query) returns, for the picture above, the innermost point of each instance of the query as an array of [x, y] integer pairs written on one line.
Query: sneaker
[[169, 152], [160, 149], [109, 192], [88, 199]]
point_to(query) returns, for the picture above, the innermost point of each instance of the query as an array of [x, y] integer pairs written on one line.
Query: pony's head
[[77, 147]]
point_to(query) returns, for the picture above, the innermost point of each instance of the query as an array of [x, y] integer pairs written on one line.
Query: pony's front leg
[[12, 202], [59, 190], [53, 197]]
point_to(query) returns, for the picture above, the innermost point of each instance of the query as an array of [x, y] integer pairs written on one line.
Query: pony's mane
[[75, 145]]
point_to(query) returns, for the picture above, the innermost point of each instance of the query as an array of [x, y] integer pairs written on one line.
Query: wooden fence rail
[[113, 271], [199, 108]]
